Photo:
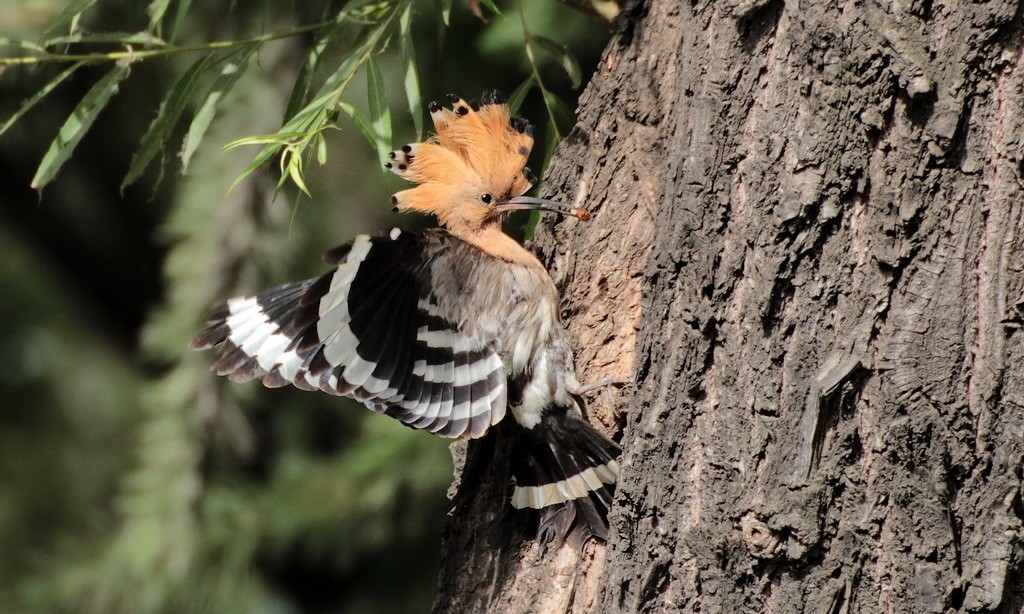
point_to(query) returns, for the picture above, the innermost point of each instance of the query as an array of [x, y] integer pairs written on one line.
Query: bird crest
[[473, 168]]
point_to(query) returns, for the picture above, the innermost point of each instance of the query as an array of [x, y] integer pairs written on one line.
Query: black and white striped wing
[[372, 330]]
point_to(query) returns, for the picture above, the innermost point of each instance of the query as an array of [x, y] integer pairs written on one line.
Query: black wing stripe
[[393, 359], [212, 336], [233, 359], [376, 324], [306, 316], [336, 254]]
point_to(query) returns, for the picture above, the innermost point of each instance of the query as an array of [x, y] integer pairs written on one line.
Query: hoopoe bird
[[447, 329]]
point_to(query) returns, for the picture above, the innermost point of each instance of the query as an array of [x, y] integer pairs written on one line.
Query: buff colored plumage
[[471, 172]]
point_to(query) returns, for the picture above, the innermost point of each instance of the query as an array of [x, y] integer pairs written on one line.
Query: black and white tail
[[567, 471]]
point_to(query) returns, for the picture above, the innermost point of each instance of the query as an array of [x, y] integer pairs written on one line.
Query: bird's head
[[473, 169]]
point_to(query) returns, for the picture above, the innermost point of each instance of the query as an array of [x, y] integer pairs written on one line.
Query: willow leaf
[[70, 14], [156, 11], [446, 11], [562, 117], [380, 115], [234, 68], [166, 119], [77, 124], [20, 44], [120, 38], [305, 77], [179, 18], [490, 4], [31, 102], [361, 122], [563, 55], [326, 98], [516, 99], [412, 79]]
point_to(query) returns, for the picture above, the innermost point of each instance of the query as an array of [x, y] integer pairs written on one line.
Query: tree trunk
[[808, 250]]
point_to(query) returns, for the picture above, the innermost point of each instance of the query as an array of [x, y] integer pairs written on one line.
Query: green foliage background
[[131, 478]]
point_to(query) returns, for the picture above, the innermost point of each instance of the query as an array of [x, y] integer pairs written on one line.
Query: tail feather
[[567, 471]]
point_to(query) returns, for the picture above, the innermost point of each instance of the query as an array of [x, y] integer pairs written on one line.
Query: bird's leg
[[601, 383]]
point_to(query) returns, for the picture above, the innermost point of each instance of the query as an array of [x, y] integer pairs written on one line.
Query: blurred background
[[131, 478]]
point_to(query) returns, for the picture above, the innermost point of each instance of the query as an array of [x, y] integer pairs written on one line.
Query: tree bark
[[808, 250]]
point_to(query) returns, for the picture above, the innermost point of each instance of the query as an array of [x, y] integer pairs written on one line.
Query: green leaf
[[120, 38], [561, 54], [380, 115], [179, 18], [562, 117], [295, 172], [361, 122], [156, 11], [166, 119], [321, 150], [305, 77], [20, 44], [234, 68], [278, 138], [69, 15], [516, 99], [530, 227], [446, 11], [77, 124], [490, 4], [31, 102], [356, 10], [551, 139], [412, 79], [561, 121], [325, 99]]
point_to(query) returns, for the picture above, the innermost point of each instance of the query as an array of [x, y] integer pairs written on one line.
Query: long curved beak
[[519, 203]]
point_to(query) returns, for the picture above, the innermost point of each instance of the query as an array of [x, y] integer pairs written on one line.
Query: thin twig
[[149, 53]]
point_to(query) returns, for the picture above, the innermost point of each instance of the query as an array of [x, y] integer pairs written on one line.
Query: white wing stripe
[[330, 322], [269, 352], [345, 274], [357, 370], [339, 345], [436, 338], [289, 364], [464, 375], [461, 409], [253, 332], [252, 342]]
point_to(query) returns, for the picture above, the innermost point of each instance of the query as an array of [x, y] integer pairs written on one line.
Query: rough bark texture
[[808, 249]]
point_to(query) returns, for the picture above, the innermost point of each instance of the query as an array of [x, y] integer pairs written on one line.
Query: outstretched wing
[[372, 330]]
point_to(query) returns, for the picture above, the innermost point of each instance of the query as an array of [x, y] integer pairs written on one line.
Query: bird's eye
[[487, 198]]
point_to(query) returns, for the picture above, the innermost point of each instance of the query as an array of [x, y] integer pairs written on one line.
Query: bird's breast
[[515, 304]]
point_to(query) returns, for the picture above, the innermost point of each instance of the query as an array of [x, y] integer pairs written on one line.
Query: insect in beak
[[519, 203]]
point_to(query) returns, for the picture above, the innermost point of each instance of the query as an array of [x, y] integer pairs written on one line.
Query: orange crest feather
[[478, 150]]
